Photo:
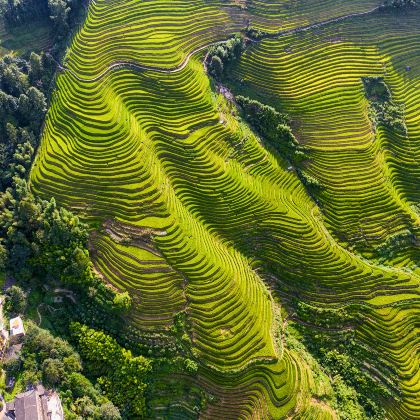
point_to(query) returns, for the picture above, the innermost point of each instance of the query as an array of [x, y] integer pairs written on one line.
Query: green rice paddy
[[196, 214]]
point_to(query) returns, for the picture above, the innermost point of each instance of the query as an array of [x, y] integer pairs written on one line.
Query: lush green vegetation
[[272, 126], [400, 3], [120, 375], [23, 86], [61, 13], [382, 109], [207, 223], [221, 56], [54, 363]]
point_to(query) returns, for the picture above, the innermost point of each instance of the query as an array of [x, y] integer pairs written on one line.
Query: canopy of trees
[[272, 126], [41, 239], [221, 56], [383, 110], [53, 362], [400, 3], [59, 12], [121, 376], [23, 104]]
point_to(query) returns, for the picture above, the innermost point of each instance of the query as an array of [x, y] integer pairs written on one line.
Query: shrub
[[221, 56], [382, 109], [400, 3], [122, 302], [190, 366], [16, 300]]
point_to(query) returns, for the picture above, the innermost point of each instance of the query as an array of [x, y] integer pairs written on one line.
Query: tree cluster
[[383, 110], [272, 126], [340, 355], [395, 244], [120, 375], [255, 33], [18, 12], [53, 362], [15, 300], [221, 56], [59, 12], [399, 4], [41, 239], [22, 110]]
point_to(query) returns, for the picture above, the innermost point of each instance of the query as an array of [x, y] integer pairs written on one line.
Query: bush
[[108, 411], [122, 302], [254, 33], [190, 366], [400, 3], [16, 300], [221, 56], [382, 109], [120, 375]]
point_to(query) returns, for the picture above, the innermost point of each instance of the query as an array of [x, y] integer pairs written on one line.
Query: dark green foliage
[[395, 244], [12, 366], [264, 118], [122, 302], [191, 366], [3, 257], [22, 110], [120, 375], [15, 300], [52, 361], [398, 4], [309, 181], [273, 127], [376, 89], [17, 12], [60, 13], [340, 356], [42, 239], [255, 33], [323, 317], [382, 109], [221, 56]]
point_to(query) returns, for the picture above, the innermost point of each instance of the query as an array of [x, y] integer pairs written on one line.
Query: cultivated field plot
[[190, 211]]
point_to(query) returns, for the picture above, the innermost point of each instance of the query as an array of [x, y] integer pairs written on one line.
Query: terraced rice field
[[275, 15], [196, 213]]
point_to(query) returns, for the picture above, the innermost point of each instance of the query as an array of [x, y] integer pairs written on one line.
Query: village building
[[17, 331], [35, 404]]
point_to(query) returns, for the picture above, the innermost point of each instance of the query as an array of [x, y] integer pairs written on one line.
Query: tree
[[120, 375], [16, 300], [108, 411], [17, 12], [400, 3], [14, 82], [190, 366], [8, 105], [59, 14], [52, 371], [32, 107], [216, 67], [3, 257], [36, 68], [80, 386], [122, 302], [85, 407]]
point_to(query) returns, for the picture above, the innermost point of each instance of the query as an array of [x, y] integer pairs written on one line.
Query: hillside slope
[[190, 210]]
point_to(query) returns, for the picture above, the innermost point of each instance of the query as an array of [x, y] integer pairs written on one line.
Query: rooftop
[[16, 326]]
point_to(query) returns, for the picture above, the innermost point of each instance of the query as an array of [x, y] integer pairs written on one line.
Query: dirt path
[[319, 24], [39, 314], [128, 64], [180, 67]]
